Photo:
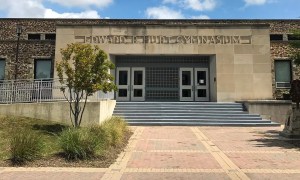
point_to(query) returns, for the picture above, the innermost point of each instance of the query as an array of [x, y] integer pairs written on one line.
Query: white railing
[[22, 91]]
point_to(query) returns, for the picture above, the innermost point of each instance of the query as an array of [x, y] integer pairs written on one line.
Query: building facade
[[163, 60]]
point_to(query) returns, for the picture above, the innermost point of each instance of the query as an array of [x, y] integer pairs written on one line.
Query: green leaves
[[84, 69], [295, 56]]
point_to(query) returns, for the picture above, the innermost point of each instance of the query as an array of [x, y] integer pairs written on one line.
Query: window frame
[[291, 73], [4, 60], [35, 68], [275, 37], [34, 34], [50, 34]]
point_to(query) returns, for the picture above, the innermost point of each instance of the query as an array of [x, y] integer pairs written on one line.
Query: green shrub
[[83, 143], [78, 143], [25, 146], [102, 135], [116, 127]]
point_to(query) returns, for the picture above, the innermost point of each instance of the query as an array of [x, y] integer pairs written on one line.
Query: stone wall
[[281, 51], [30, 49], [8, 26]]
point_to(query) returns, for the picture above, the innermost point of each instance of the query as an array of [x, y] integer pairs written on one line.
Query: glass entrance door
[[201, 84], [131, 84], [138, 84], [186, 84], [123, 83], [194, 85]]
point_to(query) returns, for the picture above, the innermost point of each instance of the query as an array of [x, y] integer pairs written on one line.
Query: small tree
[[84, 69], [295, 56], [295, 92]]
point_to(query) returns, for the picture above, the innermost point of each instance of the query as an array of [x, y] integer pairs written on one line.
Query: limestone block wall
[[243, 68], [276, 111], [95, 112]]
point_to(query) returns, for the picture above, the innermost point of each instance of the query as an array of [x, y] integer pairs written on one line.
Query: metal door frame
[[123, 86], [181, 87], [197, 86], [133, 87]]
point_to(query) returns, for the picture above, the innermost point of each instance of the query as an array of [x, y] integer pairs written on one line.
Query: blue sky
[[152, 9]]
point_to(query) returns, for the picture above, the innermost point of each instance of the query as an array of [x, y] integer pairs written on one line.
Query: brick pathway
[[189, 153]]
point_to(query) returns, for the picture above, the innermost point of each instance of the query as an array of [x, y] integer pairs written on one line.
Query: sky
[[151, 9]]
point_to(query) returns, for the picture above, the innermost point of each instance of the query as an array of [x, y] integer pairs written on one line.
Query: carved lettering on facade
[[182, 39]]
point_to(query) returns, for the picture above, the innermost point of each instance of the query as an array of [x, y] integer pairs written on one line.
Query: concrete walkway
[[189, 153]]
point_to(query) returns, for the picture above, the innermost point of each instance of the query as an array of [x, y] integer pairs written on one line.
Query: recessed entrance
[[162, 78]]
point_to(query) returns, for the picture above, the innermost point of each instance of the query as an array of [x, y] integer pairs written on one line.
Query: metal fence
[[26, 91]]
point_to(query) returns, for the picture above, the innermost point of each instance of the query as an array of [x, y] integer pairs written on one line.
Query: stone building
[[163, 60]]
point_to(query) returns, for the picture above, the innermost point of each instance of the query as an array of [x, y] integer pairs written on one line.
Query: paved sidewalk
[[189, 153]]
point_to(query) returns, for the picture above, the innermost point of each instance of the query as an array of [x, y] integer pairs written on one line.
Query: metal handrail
[[39, 90]]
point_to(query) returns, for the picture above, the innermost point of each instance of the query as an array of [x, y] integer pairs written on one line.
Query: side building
[[163, 60]]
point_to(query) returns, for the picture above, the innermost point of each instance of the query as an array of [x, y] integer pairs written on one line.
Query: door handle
[[131, 87]]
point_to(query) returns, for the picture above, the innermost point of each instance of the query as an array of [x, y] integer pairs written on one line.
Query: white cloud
[[83, 3], [163, 12], [170, 1], [200, 17], [256, 2], [198, 5], [36, 9], [201, 5], [49, 13]]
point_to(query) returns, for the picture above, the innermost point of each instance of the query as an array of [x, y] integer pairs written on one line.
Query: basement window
[[292, 37], [276, 37], [34, 36], [2, 69], [50, 36]]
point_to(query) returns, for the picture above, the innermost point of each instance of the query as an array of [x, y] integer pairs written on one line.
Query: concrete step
[[137, 111], [175, 109], [178, 103], [188, 114], [175, 113], [198, 120], [193, 117], [203, 124]]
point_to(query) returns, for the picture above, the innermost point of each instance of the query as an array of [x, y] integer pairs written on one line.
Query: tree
[[295, 56], [84, 70]]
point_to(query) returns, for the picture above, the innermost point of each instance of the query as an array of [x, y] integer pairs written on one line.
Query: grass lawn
[[49, 132]]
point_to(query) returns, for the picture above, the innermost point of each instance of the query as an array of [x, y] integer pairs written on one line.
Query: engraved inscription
[[182, 39]]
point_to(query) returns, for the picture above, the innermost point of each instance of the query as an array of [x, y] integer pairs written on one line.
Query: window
[[50, 36], [34, 37], [283, 74], [276, 37], [292, 37], [43, 69], [2, 69]]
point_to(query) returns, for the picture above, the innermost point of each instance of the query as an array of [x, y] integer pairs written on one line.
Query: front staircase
[[188, 114]]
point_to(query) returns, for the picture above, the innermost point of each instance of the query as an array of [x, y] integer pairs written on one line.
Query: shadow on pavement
[[271, 138]]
